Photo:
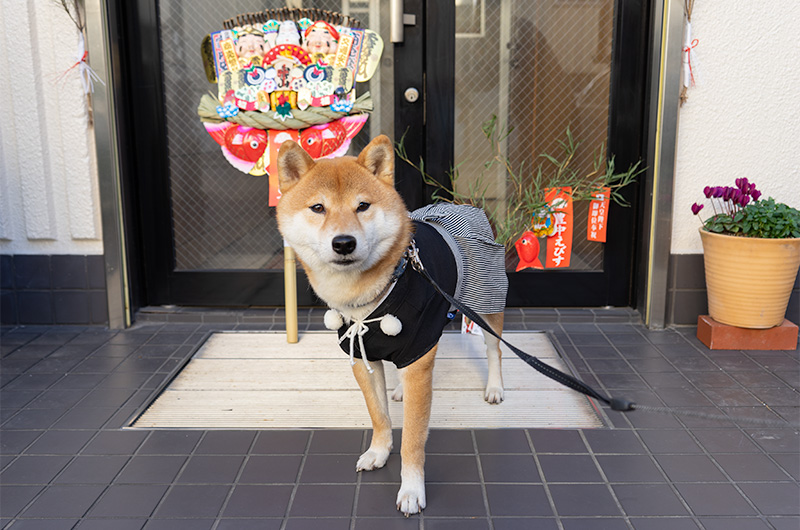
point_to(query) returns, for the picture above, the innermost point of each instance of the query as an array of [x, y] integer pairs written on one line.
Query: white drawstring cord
[[358, 329]]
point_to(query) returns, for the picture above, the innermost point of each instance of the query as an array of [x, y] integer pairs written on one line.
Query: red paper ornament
[[528, 251]]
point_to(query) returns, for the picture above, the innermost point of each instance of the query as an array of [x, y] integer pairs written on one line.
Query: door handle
[[398, 20]]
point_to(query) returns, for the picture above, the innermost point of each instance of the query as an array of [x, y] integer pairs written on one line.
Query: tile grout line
[[606, 482], [727, 476], [235, 483], [636, 433], [173, 484], [690, 432], [49, 387], [354, 507], [481, 478], [680, 426], [296, 485], [79, 451], [673, 487], [545, 485], [50, 484], [687, 429]]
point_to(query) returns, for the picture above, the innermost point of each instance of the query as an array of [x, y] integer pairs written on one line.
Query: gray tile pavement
[[66, 461]]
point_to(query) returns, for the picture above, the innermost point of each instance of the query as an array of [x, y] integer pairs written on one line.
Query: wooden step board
[[253, 380]]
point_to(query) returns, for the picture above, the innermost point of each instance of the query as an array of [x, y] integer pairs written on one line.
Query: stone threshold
[[311, 317]]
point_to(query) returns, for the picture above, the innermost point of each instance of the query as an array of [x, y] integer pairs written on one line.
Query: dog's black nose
[[344, 244]]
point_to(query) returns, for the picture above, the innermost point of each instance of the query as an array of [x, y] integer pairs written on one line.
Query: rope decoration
[[207, 110], [75, 11], [689, 56]]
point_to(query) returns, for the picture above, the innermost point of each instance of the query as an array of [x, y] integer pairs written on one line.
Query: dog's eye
[[317, 208], [362, 207]]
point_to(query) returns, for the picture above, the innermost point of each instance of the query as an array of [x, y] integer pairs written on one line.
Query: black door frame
[[431, 42]]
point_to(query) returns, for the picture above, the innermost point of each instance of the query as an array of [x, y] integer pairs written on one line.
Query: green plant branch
[[526, 189]]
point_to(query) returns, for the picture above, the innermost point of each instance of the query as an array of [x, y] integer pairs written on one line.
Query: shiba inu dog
[[351, 230]]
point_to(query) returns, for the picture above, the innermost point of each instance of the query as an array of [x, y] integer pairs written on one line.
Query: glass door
[[205, 231], [208, 234], [538, 69]]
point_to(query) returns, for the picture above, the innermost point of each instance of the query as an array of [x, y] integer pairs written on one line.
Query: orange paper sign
[[276, 138], [598, 216], [559, 245]]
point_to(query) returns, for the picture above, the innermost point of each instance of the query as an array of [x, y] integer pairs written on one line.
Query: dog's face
[[343, 214]]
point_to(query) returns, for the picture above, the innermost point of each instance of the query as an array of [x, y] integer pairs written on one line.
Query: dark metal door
[[207, 236], [202, 231], [542, 67]]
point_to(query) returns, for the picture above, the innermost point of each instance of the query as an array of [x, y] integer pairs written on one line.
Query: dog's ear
[[293, 163], [378, 157]]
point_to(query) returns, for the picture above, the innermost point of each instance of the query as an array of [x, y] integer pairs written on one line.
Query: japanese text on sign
[[559, 245], [598, 216]]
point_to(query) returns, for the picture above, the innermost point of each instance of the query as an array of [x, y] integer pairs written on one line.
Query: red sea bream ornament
[[528, 251]]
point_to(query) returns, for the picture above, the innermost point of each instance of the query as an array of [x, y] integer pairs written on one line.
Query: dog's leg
[[397, 393], [373, 386], [417, 379], [494, 384]]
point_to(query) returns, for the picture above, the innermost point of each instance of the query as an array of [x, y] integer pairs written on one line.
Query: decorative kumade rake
[[286, 74]]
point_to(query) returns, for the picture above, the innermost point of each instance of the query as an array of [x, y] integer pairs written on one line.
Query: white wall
[[743, 119], [48, 184]]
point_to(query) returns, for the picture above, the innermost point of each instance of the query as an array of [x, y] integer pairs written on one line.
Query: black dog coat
[[456, 247]]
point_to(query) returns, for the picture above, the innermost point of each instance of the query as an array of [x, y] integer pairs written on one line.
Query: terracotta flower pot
[[749, 280]]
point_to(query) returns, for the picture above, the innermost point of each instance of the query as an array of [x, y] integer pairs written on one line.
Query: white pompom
[[333, 319], [391, 325]]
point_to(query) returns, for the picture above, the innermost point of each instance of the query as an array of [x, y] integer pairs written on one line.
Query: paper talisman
[[598, 216], [207, 51], [276, 138], [559, 245], [370, 56]]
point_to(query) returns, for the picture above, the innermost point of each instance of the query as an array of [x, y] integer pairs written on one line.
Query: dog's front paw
[[411, 499], [494, 395], [397, 394], [372, 459]]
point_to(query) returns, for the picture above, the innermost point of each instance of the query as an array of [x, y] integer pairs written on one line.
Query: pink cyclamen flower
[[728, 193], [696, 208], [755, 194]]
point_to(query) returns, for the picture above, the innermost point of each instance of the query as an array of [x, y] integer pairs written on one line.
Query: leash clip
[[413, 256]]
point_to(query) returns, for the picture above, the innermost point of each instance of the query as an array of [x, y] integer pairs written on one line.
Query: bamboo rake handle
[[290, 293]]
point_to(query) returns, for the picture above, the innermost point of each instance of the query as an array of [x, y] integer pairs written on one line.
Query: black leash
[[618, 404]]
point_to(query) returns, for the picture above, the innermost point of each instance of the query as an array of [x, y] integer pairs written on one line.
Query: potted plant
[[751, 251]]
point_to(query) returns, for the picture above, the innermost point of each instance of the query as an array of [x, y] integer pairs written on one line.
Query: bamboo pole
[[290, 293]]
